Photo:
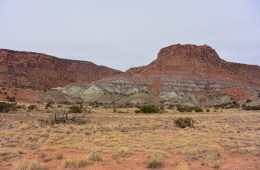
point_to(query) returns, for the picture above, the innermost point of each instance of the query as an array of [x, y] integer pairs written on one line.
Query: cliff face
[[198, 61], [187, 72], [40, 71], [181, 74]]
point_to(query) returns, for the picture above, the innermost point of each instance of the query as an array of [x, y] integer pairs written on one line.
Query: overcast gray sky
[[126, 33]]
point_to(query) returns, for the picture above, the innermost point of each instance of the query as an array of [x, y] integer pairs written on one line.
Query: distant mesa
[[41, 71]]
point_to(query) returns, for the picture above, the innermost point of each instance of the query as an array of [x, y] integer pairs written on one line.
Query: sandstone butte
[[191, 69]]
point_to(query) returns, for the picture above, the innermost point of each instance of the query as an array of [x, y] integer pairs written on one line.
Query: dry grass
[[214, 157], [96, 157], [27, 165], [154, 163], [125, 135], [75, 163]]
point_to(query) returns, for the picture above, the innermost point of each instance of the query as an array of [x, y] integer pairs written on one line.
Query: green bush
[[6, 107], [198, 109], [184, 122], [184, 108], [49, 104], [137, 111], [149, 109], [32, 107], [251, 107], [75, 109]]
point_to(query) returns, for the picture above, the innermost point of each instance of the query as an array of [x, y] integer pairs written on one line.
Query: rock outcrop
[[184, 74], [40, 71]]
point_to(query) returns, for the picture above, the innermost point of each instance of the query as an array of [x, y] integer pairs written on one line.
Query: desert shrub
[[149, 109], [189, 109], [32, 107], [228, 105], [154, 163], [223, 105], [114, 110], [27, 165], [95, 157], [233, 105], [10, 98], [184, 122], [198, 109], [170, 106], [251, 107], [6, 107], [74, 164], [49, 104], [184, 108], [248, 100], [208, 110], [258, 95], [75, 109], [137, 111]]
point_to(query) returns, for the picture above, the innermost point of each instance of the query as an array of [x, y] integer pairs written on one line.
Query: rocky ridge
[[41, 71]]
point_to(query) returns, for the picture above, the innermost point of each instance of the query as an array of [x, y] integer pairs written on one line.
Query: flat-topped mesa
[[186, 56], [182, 57]]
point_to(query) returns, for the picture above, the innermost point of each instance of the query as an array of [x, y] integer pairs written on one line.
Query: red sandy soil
[[135, 161]]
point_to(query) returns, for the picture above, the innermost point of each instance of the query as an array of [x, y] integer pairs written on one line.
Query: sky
[[128, 33]]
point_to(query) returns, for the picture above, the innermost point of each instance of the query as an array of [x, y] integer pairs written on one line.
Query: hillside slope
[[181, 74], [40, 71]]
